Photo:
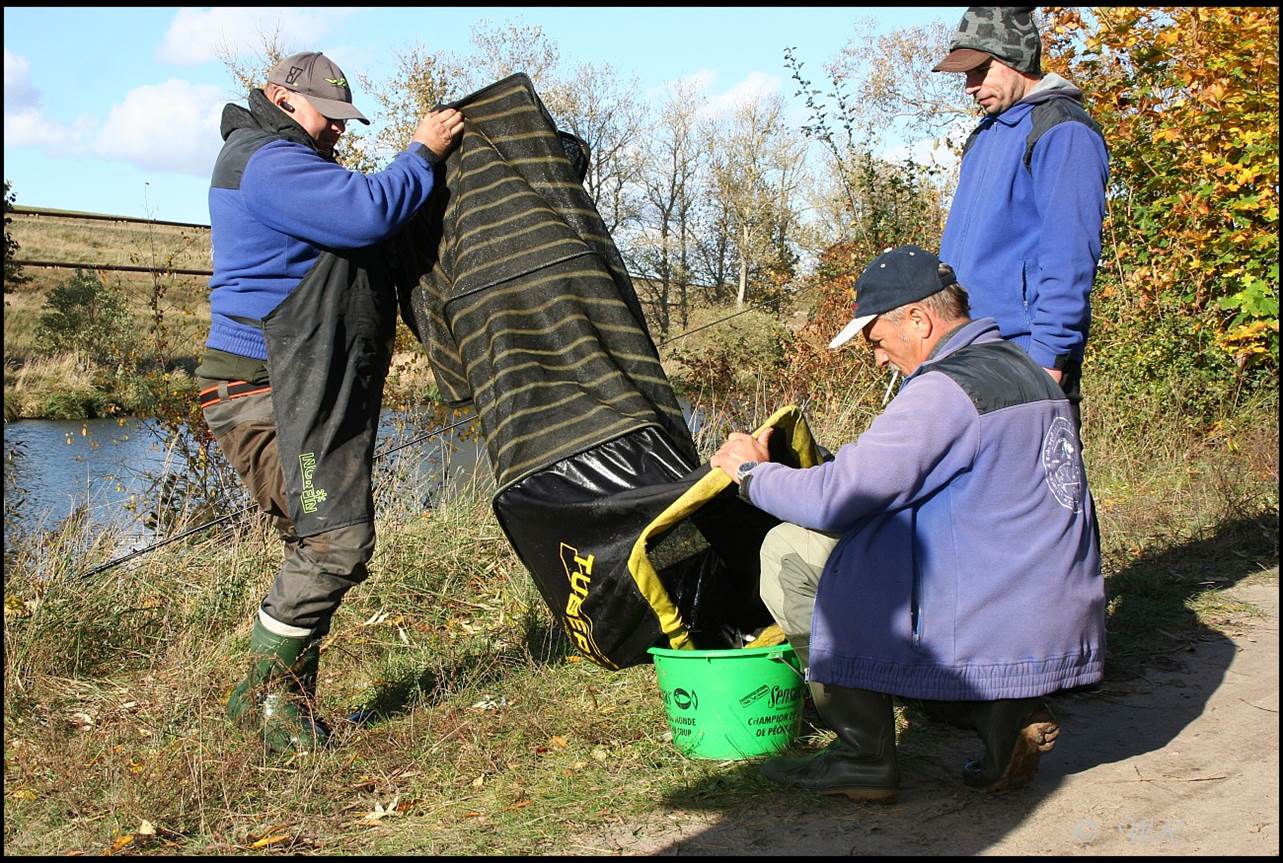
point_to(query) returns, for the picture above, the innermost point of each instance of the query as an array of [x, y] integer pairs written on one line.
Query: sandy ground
[[1184, 760]]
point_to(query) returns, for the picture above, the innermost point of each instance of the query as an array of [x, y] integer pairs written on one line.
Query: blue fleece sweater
[[968, 566], [1025, 242], [272, 214]]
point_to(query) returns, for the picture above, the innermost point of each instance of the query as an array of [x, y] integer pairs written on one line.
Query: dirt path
[[1182, 761]]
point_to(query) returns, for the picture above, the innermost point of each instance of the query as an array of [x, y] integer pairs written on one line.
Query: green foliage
[[1188, 98], [13, 275], [732, 357], [87, 316]]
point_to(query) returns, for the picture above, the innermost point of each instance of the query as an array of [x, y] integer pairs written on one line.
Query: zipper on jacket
[[915, 607]]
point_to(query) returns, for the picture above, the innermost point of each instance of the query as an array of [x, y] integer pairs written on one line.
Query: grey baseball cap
[[1003, 32], [317, 77]]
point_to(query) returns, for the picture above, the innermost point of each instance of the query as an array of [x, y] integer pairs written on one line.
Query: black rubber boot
[[861, 762], [277, 695], [1015, 733]]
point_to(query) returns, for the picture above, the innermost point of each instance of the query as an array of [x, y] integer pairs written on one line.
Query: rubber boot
[[277, 695], [1015, 733], [861, 763]]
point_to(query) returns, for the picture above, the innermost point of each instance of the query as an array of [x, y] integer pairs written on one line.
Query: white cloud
[[19, 94], [167, 127], [30, 128], [196, 35], [163, 127], [755, 86]]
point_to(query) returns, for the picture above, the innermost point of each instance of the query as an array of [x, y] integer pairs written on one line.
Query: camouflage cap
[[316, 76], [1004, 32]]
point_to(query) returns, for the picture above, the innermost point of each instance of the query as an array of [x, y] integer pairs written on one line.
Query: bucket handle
[[780, 658]]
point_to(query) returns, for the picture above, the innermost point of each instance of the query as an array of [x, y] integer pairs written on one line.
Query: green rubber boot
[[277, 695]]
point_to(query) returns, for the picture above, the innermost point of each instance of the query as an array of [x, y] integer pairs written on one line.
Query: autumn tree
[[421, 80], [502, 50], [1188, 98], [753, 161], [881, 96], [605, 112], [669, 189]]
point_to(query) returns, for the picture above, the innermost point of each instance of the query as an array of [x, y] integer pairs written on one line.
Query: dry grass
[[482, 732], [46, 238], [485, 734]]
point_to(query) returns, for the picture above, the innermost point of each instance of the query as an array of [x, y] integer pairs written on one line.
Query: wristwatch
[[743, 474]]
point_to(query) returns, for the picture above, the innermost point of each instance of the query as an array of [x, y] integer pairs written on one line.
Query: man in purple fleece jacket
[[1023, 232], [303, 315], [947, 556]]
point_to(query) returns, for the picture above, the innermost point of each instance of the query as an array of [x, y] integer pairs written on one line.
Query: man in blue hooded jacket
[[1024, 230], [947, 556], [303, 316]]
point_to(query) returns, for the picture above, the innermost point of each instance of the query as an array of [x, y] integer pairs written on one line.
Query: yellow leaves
[[146, 831], [270, 840], [379, 812], [1213, 93], [17, 607]]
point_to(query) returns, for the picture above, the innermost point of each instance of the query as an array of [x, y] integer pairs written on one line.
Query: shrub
[[85, 315]]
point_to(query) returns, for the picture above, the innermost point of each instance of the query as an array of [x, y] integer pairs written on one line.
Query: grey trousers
[[792, 560], [317, 570]]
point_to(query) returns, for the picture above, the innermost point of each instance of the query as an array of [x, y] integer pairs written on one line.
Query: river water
[[104, 465], [110, 469]]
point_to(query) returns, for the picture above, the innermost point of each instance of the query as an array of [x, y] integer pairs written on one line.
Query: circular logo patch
[[1063, 464]]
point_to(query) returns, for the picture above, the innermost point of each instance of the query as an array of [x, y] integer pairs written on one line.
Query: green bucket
[[729, 705]]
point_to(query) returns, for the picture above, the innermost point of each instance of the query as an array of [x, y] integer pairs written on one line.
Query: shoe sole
[[864, 795], [1038, 736]]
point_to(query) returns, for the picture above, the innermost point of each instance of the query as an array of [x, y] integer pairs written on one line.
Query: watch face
[[744, 469]]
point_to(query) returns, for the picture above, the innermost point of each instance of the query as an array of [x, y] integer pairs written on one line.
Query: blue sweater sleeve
[[1070, 168], [292, 189], [927, 435]]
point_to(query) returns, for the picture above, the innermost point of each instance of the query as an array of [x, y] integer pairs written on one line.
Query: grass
[[484, 732]]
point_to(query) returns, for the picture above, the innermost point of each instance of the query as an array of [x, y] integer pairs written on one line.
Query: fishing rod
[[240, 512]]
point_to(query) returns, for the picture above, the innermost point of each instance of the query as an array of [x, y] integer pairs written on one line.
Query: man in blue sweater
[[947, 556], [1023, 233], [303, 317]]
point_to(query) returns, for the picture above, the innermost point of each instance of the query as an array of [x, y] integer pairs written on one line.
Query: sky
[[116, 110]]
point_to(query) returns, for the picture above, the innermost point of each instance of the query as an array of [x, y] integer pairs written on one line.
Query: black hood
[[262, 116]]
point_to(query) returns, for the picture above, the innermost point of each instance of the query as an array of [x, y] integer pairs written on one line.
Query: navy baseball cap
[[895, 278]]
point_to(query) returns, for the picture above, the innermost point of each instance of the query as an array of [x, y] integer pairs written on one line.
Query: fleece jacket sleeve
[[1070, 168], [293, 190], [927, 435]]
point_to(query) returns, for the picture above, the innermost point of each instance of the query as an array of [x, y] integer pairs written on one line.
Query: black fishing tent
[[512, 282]]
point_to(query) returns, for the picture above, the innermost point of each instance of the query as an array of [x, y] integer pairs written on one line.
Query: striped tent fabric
[[529, 312], [516, 289]]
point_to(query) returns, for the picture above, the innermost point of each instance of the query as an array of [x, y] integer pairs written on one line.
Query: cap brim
[[336, 110], [962, 60], [851, 330]]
